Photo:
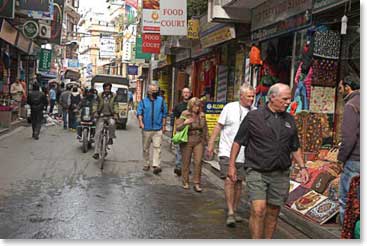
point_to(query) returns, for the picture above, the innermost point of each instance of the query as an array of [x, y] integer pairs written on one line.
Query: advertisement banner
[[139, 54], [151, 19], [151, 43], [36, 9], [44, 60], [218, 36], [193, 29], [173, 17], [56, 23], [7, 8], [212, 111], [73, 63], [107, 47]]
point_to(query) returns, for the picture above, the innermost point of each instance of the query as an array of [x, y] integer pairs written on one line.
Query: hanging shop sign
[[56, 23], [107, 47], [222, 83], [73, 63], [319, 5], [151, 18], [219, 36], [273, 11], [8, 32], [36, 9], [7, 9], [173, 17], [23, 43], [193, 29], [139, 54], [151, 43], [212, 112], [45, 60], [30, 29], [132, 70], [182, 55], [291, 24]]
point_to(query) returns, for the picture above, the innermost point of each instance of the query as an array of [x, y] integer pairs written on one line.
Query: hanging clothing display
[[322, 100], [352, 210], [308, 80], [324, 72], [327, 44]]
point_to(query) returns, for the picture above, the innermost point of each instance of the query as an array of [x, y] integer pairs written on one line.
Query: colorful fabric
[[323, 212], [296, 194], [309, 131], [332, 192], [321, 182], [307, 81], [324, 72], [327, 44], [322, 100], [307, 202], [352, 211]]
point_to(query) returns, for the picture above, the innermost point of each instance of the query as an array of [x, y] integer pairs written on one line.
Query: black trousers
[[36, 118]]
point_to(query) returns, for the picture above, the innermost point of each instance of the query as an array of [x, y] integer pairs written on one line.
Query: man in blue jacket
[[152, 114]]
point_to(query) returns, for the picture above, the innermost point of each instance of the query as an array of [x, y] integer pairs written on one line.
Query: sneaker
[[96, 156], [177, 171], [231, 221], [157, 170], [238, 218]]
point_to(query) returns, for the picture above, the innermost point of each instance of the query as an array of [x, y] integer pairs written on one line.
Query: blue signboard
[[132, 70], [213, 107]]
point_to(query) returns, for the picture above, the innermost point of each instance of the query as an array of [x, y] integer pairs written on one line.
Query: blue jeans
[[350, 170], [178, 157], [65, 118], [302, 92]]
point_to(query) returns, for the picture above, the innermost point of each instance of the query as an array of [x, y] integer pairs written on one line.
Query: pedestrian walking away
[[178, 109], [75, 100], [65, 102], [269, 135], [37, 101], [197, 139], [52, 98], [349, 153], [106, 109], [152, 116], [227, 126]]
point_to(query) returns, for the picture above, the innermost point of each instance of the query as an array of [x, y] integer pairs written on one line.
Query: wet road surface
[[49, 189]]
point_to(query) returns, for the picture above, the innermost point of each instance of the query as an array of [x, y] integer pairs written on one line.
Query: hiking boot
[[96, 156], [231, 221], [157, 170], [177, 171]]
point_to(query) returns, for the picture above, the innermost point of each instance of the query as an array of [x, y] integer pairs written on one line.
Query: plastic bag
[[181, 136]]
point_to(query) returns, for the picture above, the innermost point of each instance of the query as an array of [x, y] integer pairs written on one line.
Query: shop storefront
[[306, 50]]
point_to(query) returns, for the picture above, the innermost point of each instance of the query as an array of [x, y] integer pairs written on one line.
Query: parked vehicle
[[120, 86]]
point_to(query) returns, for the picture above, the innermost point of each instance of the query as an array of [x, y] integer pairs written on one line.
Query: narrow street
[[51, 190]]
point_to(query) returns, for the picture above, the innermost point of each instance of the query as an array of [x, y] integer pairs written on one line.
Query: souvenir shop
[[312, 60]]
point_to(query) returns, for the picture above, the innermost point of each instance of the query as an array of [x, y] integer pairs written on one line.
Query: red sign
[[151, 43]]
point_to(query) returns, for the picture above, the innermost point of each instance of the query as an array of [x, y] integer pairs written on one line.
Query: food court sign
[[173, 17]]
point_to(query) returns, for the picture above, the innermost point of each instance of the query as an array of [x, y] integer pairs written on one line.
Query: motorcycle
[[86, 129]]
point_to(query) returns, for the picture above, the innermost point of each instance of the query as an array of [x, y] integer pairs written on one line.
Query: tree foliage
[[196, 8]]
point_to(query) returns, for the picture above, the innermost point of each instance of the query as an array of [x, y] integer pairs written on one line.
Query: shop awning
[[113, 79]]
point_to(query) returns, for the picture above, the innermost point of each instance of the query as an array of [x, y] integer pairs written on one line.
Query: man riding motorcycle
[[88, 101], [106, 109]]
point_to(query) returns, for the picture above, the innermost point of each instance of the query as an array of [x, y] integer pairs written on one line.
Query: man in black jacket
[[349, 153], [37, 101], [269, 135]]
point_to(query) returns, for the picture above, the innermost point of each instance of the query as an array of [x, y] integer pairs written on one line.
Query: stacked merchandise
[[316, 200]]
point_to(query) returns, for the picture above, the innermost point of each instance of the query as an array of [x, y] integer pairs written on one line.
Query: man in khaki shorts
[[228, 123], [269, 135]]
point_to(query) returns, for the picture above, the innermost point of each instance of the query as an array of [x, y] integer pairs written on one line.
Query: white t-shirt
[[231, 117]]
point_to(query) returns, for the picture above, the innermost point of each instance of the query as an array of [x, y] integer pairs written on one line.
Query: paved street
[[49, 189]]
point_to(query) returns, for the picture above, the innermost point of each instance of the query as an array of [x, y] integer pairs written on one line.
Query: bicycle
[[103, 142]]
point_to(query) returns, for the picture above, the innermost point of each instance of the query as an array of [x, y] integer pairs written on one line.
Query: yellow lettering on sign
[[193, 29]]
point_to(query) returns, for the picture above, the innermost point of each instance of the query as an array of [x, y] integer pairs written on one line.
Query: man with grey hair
[[228, 124], [152, 114], [269, 135]]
